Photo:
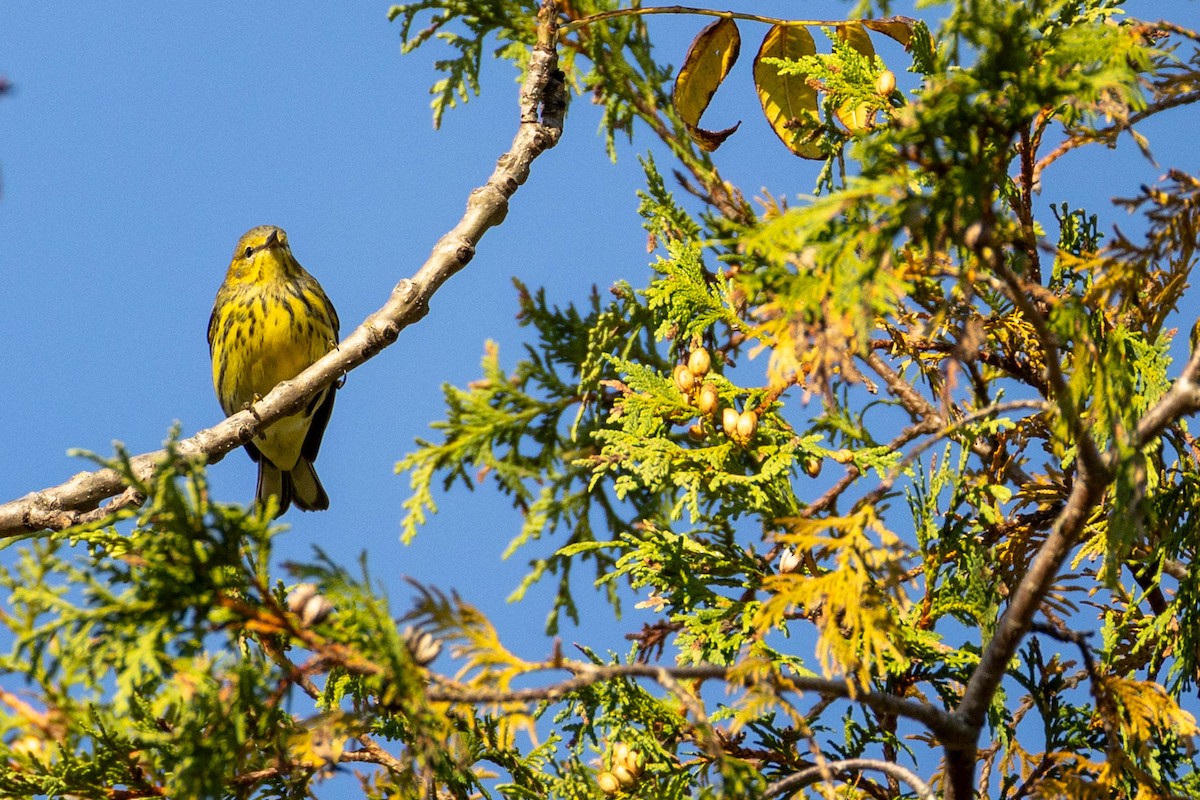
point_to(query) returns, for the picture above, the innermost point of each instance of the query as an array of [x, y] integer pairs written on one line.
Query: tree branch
[[825, 772], [543, 102], [1087, 492], [938, 721], [1109, 135]]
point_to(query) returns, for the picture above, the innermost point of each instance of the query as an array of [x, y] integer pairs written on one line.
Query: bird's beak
[[272, 239]]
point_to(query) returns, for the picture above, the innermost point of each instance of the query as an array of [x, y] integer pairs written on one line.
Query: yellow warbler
[[270, 321]]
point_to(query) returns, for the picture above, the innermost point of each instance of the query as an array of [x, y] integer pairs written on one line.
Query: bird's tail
[[305, 487], [301, 486], [273, 481]]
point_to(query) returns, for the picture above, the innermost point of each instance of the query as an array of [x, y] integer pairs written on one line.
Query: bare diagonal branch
[[1182, 399], [542, 107]]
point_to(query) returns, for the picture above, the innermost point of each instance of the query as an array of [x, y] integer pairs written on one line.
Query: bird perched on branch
[[270, 321]]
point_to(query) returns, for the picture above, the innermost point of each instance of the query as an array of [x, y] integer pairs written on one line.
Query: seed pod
[[311, 607], [685, 381], [422, 645], [696, 432], [608, 783], [812, 466], [29, 746], [300, 595], [628, 758], [885, 84], [789, 561], [747, 424], [699, 362], [624, 776], [315, 611], [976, 236], [729, 420], [709, 400]]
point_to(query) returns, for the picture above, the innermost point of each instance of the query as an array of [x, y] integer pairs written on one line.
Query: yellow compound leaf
[[856, 116], [898, 28], [855, 35], [709, 60], [788, 102]]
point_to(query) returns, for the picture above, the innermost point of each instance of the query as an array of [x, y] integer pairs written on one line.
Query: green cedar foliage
[[921, 285]]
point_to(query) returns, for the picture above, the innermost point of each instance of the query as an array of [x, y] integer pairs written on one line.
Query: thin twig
[[885, 486], [701, 722], [1108, 134], [958, 425], [701, 12], [813, 774], [922, 409], [374, 753], [853, 472]]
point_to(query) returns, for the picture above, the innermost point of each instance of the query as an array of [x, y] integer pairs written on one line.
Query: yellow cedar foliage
[[1145, 712], [1091, 780], [485, 663], [320, 745], [1072, 787], [855, 603], [1144, 282], [817, 298], [1016, 760], [766, 691]]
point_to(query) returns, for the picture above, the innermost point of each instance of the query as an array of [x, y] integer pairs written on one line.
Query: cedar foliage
[[833, 537]]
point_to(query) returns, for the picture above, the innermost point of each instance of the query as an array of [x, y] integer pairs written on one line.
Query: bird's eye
[[249, 252]]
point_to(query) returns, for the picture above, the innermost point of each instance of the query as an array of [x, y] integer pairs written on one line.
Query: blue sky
[[136, 148]]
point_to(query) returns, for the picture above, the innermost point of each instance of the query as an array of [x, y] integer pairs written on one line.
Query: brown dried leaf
[[709, 60], [898, 28]]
